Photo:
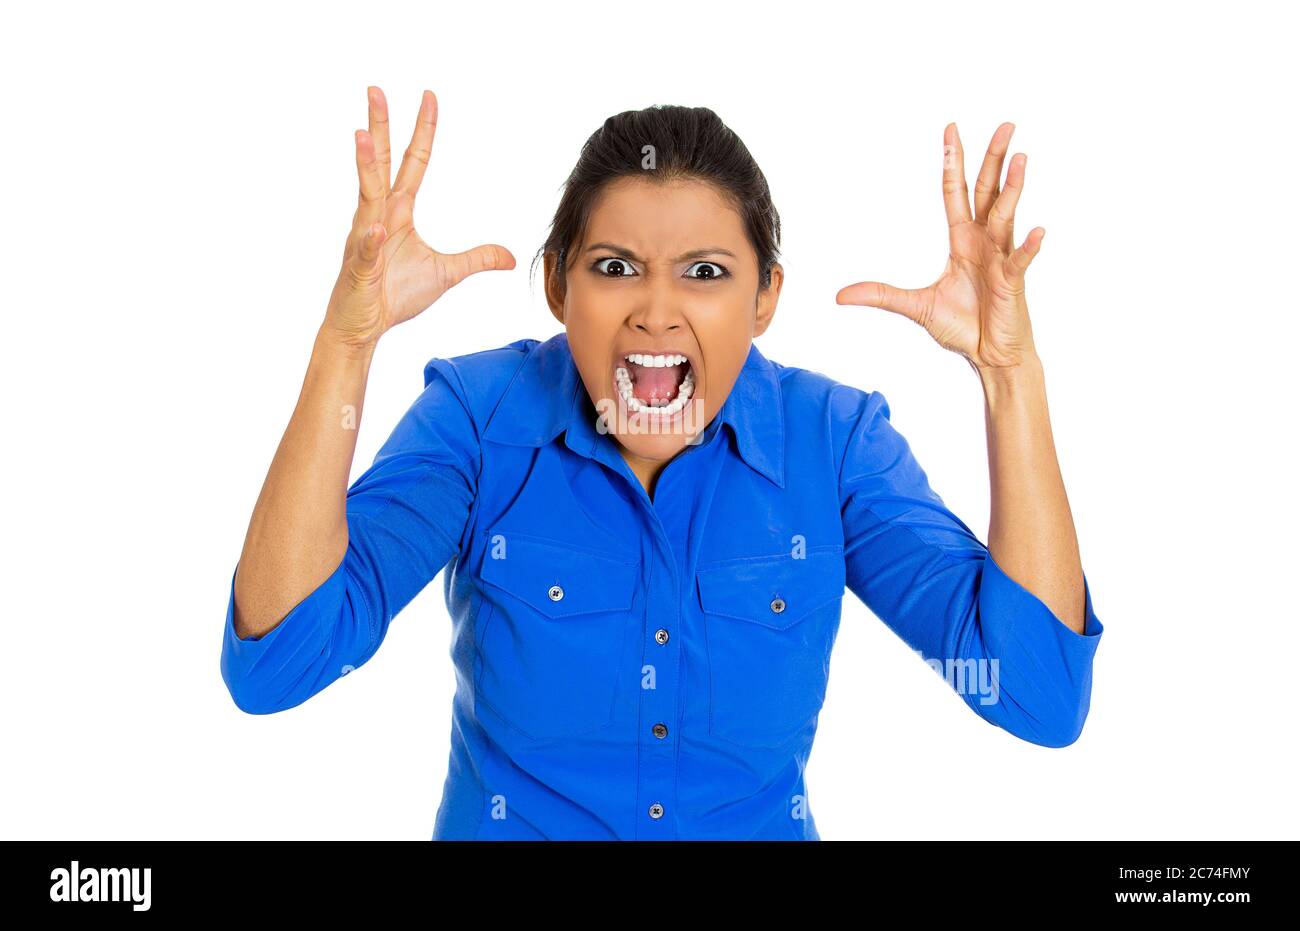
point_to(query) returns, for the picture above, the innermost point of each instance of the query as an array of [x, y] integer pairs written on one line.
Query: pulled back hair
[[689, 143]]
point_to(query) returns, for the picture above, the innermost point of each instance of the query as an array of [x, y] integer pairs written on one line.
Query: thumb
[[909, 303], [370, 249], [485, 258]]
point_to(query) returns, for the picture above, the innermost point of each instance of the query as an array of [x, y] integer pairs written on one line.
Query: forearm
[[298, 532], [1031, 530]]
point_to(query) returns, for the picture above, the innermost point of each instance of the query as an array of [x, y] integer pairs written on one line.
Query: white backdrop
[[179, 185]]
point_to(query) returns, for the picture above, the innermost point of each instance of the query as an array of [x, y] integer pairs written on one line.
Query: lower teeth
[[636, 405]]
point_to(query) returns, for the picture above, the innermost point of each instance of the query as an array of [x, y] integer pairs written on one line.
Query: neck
[[646, 470]]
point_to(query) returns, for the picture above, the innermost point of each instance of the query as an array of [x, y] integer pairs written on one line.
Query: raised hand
[[389, 273], [977, 306]]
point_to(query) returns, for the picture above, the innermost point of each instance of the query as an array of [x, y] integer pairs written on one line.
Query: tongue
[[650, 383]]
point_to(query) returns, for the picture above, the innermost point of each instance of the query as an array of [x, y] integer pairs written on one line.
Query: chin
[[660, 447]]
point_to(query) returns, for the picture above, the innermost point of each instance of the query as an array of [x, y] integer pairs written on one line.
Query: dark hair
[[689, 143]]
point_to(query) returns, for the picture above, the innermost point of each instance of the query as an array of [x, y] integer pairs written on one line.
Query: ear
[[554, 285], [767, 297]]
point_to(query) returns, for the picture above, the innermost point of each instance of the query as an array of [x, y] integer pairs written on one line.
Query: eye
[[618, 263], [720, 273]]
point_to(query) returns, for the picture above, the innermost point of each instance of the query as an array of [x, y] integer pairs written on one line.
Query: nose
[[653, 330], [658, 313]]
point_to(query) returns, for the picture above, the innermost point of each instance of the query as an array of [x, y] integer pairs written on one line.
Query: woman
[[647, 525]]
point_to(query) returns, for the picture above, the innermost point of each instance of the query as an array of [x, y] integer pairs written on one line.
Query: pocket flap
[[775, 591], [560, 579]]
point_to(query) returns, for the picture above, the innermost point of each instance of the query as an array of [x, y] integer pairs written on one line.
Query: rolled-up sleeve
[[926, 575], [406, 517]]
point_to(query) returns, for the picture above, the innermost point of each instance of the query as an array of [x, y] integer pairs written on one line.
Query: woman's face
[[664, 270]]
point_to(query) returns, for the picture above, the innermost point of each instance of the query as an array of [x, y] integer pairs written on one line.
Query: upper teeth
[[655, 361]]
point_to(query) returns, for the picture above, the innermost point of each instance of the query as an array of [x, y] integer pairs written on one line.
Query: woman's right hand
[[389, 273]]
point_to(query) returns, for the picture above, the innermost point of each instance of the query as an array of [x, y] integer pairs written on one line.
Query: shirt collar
[[547, 397]]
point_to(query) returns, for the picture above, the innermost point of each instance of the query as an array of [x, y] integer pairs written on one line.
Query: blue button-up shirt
[[638, 668]]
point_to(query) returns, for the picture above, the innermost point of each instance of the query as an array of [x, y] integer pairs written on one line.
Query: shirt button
[[555, 593], [778, 605], [656, 811], [660, 731], [661, 636]]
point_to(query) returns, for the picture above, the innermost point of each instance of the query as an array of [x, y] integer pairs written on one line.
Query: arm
[[1023, 602], [977, 308], [301, 557]]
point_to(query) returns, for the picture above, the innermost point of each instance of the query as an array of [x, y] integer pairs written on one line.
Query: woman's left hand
[[977, 306]]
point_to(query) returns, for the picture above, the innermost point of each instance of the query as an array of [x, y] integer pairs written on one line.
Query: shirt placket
[[683, 493]]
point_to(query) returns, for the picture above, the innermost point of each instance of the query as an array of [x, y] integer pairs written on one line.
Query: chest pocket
[[771, 623], [555, 618]]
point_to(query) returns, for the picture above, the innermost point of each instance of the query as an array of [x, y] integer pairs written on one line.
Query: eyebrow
[[625, 253]]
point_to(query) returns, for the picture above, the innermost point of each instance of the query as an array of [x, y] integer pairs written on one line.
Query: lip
[[620, 360]]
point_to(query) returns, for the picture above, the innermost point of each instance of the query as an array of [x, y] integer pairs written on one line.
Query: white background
[[179, 183]]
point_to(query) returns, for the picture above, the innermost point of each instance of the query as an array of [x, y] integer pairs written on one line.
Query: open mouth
[[655, 384]]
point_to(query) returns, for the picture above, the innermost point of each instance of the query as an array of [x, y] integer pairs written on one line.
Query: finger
[[909, 303], [416, 158], [987, 184], [1002, 214], [374, 190], [479, 259], [956, 199], [1018, 261], [379, 131]]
